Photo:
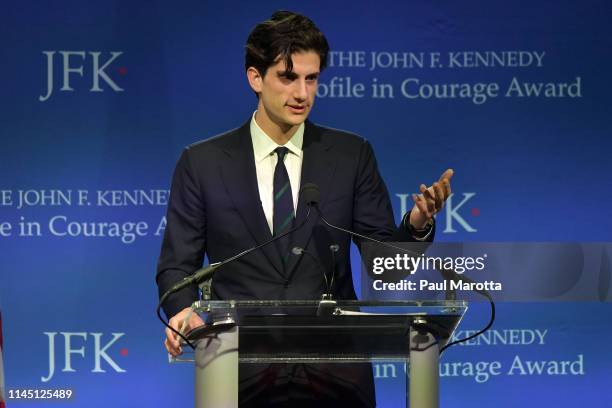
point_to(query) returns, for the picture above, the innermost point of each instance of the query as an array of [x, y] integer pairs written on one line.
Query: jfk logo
[[450, 212], [74, 343], [78, 63]]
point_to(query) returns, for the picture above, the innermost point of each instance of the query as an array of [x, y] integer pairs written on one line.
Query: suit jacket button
[[286, 284]]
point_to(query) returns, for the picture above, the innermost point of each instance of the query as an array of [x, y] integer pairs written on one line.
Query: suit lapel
[[240, 179], [318, 167]]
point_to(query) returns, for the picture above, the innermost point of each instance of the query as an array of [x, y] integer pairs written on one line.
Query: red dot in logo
[[122, 70], [475, 212], [123, 352]]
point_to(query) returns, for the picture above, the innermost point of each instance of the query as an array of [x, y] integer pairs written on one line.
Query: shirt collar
[[263, 145]]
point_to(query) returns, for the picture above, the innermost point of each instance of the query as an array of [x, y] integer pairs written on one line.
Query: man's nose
[[300, 92]]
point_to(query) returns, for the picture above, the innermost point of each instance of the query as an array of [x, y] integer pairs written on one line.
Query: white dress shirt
[[265, 163]]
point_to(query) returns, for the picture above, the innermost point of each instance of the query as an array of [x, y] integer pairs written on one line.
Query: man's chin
[[295, 120]]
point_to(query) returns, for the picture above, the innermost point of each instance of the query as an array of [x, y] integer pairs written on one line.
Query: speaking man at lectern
[[239, 189]]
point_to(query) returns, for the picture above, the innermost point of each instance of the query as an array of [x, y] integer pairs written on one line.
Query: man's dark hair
[[283, 34]]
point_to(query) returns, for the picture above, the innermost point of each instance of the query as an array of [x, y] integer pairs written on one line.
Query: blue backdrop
[[100, 98]]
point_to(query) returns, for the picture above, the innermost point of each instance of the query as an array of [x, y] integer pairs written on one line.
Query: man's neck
[[279, 134]]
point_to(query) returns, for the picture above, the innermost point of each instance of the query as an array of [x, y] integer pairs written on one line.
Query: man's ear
[[255, 79]]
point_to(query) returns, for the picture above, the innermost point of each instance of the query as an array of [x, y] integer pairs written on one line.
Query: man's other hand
[[173, 341], [431, 200]]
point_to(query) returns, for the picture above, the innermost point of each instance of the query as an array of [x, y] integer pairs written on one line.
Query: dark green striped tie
[[283, 217]]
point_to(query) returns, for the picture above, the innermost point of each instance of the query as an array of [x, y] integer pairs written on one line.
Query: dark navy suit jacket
[[214, 209]]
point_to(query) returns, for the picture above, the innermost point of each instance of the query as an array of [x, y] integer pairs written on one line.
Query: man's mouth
[[297, 108]]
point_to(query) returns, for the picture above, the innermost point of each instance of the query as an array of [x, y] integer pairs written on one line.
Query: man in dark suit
[[241, 188]]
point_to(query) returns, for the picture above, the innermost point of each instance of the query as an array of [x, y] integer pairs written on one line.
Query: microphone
[[333, 249], [310, 198], [300, 251], [311, 194]]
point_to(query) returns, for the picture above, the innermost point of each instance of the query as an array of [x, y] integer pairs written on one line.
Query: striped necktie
[[283, 214]]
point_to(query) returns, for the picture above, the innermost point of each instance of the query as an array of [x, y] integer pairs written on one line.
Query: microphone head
[[310, 193], [297, 250], [334, 247]]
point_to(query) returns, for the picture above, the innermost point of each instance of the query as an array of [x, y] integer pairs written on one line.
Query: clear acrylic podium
[[313, 331]]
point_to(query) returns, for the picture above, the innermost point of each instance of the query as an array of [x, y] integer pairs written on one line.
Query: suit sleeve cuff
[[419, 235]]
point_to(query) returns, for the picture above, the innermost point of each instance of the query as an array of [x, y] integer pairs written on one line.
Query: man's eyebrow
[[286, 74], [293, 75]]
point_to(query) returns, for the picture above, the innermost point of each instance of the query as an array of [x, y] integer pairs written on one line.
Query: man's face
[[285, 98]]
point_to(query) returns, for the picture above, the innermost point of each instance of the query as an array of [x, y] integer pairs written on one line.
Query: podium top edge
[[460, 304]]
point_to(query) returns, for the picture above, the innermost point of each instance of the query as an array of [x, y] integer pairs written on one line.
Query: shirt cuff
[[419, 235]]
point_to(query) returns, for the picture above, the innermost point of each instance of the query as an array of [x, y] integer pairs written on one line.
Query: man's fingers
[[422, 205], [428, 193], [172, 343], [174, 351], [435, 196], [445, 181], [447, 188], [430, 198], [169, 347], [447, 175], [172, 339], [439, 195]]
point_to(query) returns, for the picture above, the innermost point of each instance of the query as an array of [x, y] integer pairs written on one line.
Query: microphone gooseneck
[[447, 273]]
